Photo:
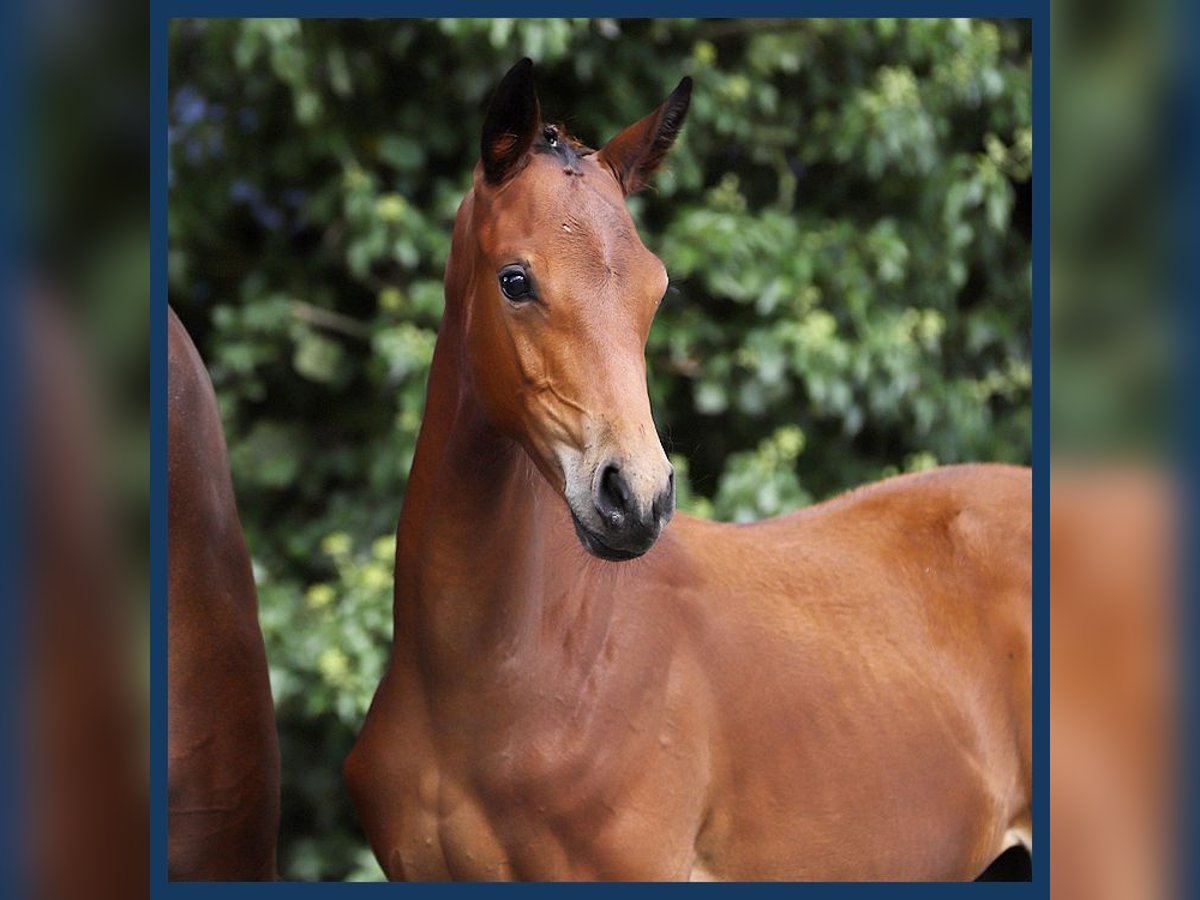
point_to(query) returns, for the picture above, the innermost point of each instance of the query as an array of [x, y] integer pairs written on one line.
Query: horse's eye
[[516, 284]]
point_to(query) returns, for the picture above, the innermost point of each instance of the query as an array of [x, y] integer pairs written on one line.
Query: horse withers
[[578, 689], [223, 752]]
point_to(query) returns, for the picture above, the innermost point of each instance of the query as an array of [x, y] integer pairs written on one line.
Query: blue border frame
[[161, 11], [13, 697], [158, 446], [1041, 447], [1183, 152]]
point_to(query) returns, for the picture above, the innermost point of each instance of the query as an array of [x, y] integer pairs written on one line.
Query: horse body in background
[[223, 751], [577, 691]]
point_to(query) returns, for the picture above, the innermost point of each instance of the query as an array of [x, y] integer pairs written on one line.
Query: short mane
[[556, 140]]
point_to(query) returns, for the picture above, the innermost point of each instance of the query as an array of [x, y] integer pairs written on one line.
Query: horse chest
[[538, 803]]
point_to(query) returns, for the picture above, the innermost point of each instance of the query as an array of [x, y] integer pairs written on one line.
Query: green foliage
[[845, 220]]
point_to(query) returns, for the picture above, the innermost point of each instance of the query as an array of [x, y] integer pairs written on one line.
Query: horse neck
[[486, 555]]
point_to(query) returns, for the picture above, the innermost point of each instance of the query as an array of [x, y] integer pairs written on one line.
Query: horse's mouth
[[595, 546]]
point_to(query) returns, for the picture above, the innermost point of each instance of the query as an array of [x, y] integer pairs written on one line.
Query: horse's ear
[[636, 152], [511, 122]]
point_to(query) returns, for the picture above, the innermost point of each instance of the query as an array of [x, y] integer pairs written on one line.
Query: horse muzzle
[[619, 527]]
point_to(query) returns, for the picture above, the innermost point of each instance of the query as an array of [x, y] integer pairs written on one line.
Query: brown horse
[[223, 770], [578, 692], [79, 717]]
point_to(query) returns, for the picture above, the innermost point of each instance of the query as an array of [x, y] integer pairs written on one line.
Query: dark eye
[[516, 284]]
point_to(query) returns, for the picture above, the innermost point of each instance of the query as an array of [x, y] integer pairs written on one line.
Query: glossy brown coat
[[841, 693], [223, 771]]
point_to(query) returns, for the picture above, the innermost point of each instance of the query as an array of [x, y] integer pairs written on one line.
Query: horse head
[[558, 293]]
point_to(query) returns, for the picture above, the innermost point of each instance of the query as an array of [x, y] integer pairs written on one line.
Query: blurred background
[[1123, 168], [1124, 141], [76, 335], [846, 220]]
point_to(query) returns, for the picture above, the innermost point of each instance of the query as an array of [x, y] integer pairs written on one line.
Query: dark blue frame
[[1183, 153], [13, 108], [163, 10]]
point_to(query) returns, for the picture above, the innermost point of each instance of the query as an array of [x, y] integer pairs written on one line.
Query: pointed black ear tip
[[676, 106], [683, 91], [519, 77], [521, 70], [680, 99]]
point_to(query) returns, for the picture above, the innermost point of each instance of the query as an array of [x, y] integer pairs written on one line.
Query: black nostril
[[612, 496], [664, 504]]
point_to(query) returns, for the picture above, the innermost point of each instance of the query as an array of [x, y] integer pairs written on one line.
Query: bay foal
[[575, 692], [223, 753]]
